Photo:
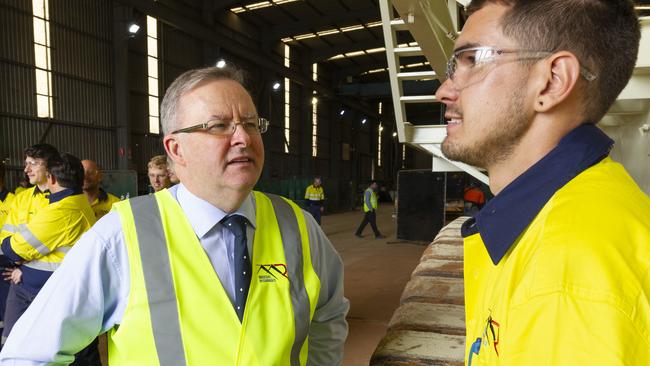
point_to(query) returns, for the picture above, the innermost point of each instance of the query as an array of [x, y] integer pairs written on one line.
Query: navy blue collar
[[504, 218], [38, 191], [3, 195], [103, 196], [58, 196]]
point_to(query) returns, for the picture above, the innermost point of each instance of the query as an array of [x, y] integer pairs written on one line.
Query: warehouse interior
[[87, 76]]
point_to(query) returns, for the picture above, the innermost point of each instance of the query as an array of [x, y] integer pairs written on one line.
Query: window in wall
[[152, 74], [379, 130], [42, 58], [287, 100], [314, 113]]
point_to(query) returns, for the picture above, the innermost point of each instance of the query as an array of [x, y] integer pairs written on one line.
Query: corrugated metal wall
[[81, 51], [83, 67]]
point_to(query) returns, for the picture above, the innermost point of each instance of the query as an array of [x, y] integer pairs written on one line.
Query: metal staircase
[[428, 20], [434, 24]]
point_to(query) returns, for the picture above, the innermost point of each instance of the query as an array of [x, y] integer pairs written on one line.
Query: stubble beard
[[499, 142]]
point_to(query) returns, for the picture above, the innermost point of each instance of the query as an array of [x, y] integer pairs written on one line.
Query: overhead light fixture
[[342, 112], [259, 5], [394, 134], [221, 63], [276, 86], [328, 32], [133, 28], [363, 121], [314, 100]]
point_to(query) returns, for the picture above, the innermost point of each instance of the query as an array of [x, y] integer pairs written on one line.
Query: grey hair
[[188, 81]]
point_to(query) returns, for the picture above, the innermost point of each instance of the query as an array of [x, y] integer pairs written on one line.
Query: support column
[[122, 15]]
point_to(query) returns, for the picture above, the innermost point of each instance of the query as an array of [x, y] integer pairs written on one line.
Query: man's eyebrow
[[466, 46], [221, 117]]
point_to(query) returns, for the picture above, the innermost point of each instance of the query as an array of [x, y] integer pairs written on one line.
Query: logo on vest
[[271, 272]]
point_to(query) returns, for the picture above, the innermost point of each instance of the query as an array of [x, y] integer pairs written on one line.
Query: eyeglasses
[[464, 60], [218, 127], [33, 163]]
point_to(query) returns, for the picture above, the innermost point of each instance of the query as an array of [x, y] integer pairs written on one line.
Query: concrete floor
[[376, 271]]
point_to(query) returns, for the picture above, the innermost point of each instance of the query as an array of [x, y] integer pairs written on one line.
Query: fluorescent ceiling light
[[327, 32], [260, 5]]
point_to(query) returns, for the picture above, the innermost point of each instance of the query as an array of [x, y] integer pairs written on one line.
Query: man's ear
[[556, 78], [51, 179], [174, 149]]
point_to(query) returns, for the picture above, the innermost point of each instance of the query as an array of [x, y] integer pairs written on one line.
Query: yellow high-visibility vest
[[373, 200], [178, 313]]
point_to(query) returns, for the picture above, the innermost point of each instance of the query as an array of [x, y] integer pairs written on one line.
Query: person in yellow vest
[[207, 272], [314, 199], [28, 202], [557, 264], [5, 196], [369, 211], [24, 206], [38, 248], [100, 200]]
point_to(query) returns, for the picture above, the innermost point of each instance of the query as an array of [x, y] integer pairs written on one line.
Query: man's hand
[[322, 209], [13, 275]]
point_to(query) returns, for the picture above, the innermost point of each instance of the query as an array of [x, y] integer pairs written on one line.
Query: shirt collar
[[58, 196], [202, 215], [102, 195], [38, 191], [504, 218], [3, 195]]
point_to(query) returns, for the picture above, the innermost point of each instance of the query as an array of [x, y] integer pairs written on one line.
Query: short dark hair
[[68, 171], [42, 151], [603, 34]]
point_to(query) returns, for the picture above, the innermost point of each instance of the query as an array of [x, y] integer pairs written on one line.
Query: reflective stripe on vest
[[290, 234], [155, 259], [168, 331]]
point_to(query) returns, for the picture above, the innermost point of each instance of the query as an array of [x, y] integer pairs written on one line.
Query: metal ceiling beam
[[227, 4], [319, 54], [322, 23], [198, 29], [356, 70]]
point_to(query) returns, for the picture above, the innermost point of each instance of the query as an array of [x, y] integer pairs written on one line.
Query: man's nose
[[240, 136], [447, 93]]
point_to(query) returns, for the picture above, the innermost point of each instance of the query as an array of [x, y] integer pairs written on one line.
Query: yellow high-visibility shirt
[[42, 243], [4, 207], [22, 208], [574, 288], [102, 204]]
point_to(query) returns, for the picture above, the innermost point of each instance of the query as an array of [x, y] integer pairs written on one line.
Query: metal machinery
[[434, 26]]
